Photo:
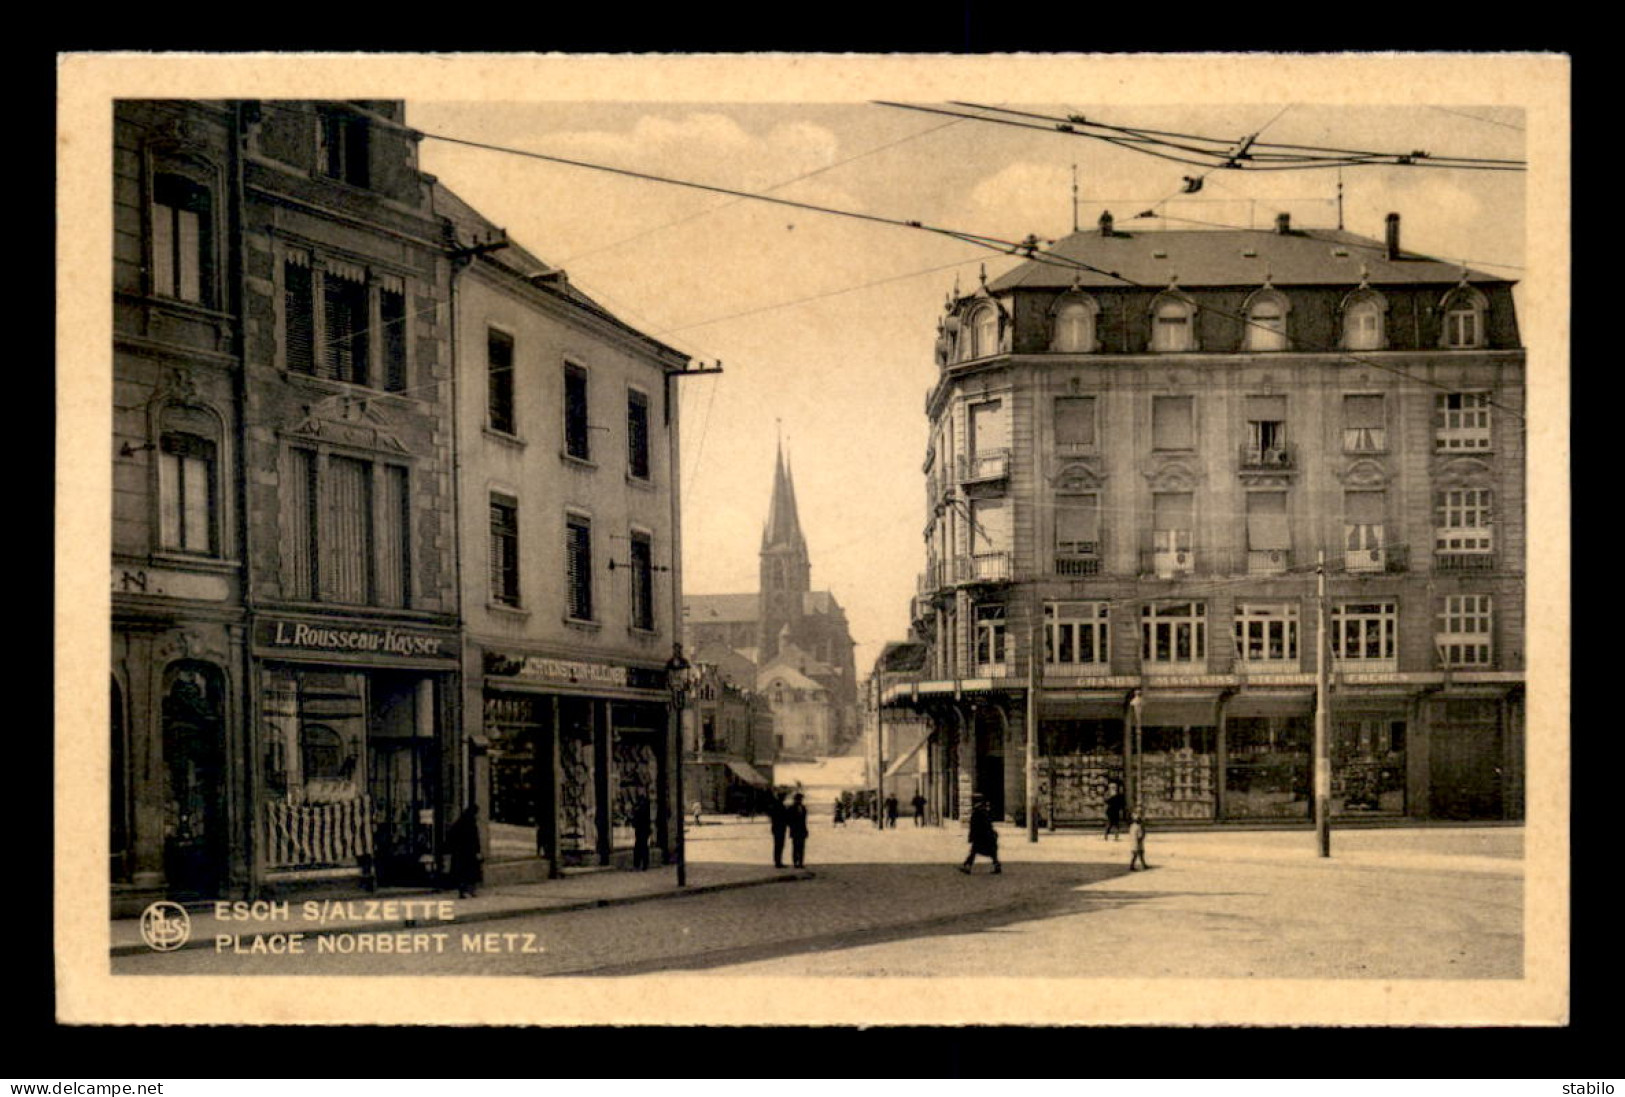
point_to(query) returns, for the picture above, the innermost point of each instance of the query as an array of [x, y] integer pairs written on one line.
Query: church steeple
[[786, 571]]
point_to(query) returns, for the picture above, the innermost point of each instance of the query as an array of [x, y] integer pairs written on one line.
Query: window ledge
[[501, 609], [585, 463], [196, 562], [504, 437], [642, 483], [642, 633], [583, 625], [333, 386]]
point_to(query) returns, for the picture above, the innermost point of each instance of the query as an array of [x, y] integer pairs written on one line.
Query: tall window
[[1173, 324], [990, 636], [1077, 633], [1269, 540], [1074, 424], [504, 550], [1364, 532], [1461, 421], [990, 540], [342, 147], [1174, 633], [182, 240], [1173, 422], [984, 332], [1463, 632], [1074, 328], [578, 567], [392, 319], [1267, 632], [576, 435], [1364, 425], [643, 588], [1362, 324], [186, 494], [499, 380], [1077, 525], [299, 313], [344, 310], [1266, 323], [1365, 631], [348, 529], [1462, 521], [989, 440], [1172, 532], [1266, 430], [637, 435]]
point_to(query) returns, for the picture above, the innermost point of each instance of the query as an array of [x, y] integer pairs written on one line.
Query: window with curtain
[[298, 313], [1364, 424], [187, 494], [1172, 520], [1074, 330], [499, 381], [1266, 429], [1266, 323], [1173, 325]]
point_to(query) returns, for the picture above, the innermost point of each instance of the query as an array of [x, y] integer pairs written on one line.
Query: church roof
[[716, 609]]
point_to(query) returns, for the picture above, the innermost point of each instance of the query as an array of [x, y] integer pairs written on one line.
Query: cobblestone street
[[1423, 903]]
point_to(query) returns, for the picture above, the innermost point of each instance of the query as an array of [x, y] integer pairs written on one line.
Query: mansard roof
[[1218, 257]]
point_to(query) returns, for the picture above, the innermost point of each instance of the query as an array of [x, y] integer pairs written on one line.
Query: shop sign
[[348, 639], [539, 668], [1188, 680]]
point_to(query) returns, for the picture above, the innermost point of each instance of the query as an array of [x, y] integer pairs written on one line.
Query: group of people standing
[[788, 820]]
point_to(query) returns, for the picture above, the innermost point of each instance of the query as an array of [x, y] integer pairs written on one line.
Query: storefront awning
[[1179, 708], [1271, 702], [747, 773], [1110, 704]]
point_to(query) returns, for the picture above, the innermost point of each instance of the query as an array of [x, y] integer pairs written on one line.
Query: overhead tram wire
[[1027, 249]]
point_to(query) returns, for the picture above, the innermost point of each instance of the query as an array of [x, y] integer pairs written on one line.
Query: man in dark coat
[[919, 810], [891, 809], [796, 823], [641, 825], [1116, 806], [778, 819], [463, 841], [983, 838]]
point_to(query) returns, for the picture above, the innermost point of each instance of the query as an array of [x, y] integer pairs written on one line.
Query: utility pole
[[880, 769], [1323, 762], [1031, 766]]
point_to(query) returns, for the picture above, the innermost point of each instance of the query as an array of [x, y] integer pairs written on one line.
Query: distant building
[[895, 736], [796, 639], [1131, 476], [729, 745]]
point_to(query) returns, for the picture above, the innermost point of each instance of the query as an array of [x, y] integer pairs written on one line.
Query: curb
[[508, 912]]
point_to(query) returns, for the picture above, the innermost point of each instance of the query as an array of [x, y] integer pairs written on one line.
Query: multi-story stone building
[[729, 745], [566, 440], [1141, 445], [294, 695]]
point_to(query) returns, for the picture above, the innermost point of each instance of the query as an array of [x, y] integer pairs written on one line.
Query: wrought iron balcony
[[993, 464], [1080, 558], [1464, 561], [1268, 561], [1269, 458], [983, 567]]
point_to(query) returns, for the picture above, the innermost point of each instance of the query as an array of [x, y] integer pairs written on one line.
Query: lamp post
[[678, 674], [1135, 704]]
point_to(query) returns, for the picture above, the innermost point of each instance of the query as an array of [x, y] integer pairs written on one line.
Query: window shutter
[[392, 315], [1364, 508], [298, 510], [1075, 421], [1172, 510], [1077, 522], [1266, 521], [1363, 412], [1172, 422], [1266, 409], [349, 526], [393, 541], [299, 324]]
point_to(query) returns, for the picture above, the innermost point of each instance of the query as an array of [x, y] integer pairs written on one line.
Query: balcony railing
[[1365, 560], [1268, 561], [983, 567], [993, 464], [1268, 457], [1464, 561], [1167, 563], [1075, 564]]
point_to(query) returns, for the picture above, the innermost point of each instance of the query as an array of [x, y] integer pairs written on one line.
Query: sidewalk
[[391, 909]]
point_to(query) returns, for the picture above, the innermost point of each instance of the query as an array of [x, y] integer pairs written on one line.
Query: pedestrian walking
[[1136, 839], [1116, 808], [641, 824], [984, 839], [840, 813], [696, 807], [891, 809], [796, 824], [778, 818], [464, 842], [919, 810]]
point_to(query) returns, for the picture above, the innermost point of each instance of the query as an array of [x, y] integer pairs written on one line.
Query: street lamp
[[679, 676], [1135, 703]]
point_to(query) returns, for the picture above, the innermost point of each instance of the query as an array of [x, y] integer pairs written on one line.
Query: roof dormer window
[[1463, 319], [1073, 330], [1173, 325], [1266, 321]]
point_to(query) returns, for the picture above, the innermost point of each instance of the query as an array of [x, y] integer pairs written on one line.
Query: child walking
[[1136, 837]]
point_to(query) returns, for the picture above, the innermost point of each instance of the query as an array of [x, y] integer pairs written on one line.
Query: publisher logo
[[165, 926]]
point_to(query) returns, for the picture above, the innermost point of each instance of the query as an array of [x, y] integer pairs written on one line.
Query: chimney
[[1393, 236], [1283, 224], [1106, 223]]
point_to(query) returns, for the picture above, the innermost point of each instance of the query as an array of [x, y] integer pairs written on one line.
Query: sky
[[824, 325]]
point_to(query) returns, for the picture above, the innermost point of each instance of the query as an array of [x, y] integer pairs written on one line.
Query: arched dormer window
[[1266, 321], [1464, 309], [1073, 328], [1364, 313], [1173, 324], [981, 332]]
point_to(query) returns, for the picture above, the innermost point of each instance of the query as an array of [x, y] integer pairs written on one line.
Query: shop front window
[[1267, 767], [1368, 766], [1176, 767]]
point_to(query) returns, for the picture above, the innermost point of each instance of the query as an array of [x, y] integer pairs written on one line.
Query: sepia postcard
[[791, 539]]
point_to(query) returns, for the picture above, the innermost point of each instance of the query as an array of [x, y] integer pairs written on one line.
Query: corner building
[[1130, 479]]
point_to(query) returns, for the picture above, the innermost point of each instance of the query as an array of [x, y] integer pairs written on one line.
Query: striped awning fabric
[[317, 834]]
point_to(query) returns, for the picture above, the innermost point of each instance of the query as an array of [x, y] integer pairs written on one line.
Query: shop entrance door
[[194, 760], [990, 759], [402, 779], [1466, 774]]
